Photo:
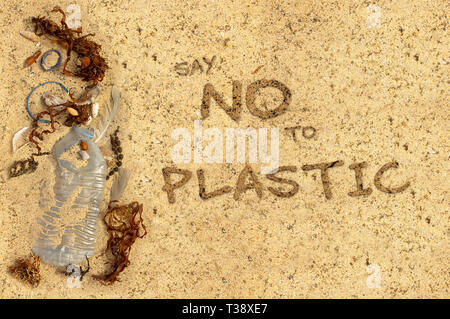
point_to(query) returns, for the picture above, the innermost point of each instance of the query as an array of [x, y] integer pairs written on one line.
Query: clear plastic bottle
[[58, 244]]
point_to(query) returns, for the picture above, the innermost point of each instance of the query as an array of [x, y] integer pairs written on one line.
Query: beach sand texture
[[372, 85]]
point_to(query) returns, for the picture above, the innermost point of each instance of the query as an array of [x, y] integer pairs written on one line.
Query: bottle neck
[[88, 133]]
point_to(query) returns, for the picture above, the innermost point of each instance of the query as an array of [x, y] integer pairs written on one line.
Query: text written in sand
[[198, 66], [281, 180]]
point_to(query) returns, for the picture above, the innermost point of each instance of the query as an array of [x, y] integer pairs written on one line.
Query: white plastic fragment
[[50, 99], [74, 16], [95, 110], [107, 117], [119, 185]]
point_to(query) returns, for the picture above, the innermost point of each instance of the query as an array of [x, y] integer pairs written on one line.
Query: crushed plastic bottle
[[58, 244]]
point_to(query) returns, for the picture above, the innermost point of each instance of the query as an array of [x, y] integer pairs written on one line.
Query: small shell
[[30, 36], [84, 145], [84, 155], [72, 111], [94, 110]]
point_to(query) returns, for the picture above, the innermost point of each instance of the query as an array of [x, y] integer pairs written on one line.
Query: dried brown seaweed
[[92, 66], [53, 111], [124, 225], [83, 111], [22, 167], [117, 149], [28, 270]]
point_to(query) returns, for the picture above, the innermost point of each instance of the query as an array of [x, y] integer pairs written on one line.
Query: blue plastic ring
[[45, 55], [31, 93]]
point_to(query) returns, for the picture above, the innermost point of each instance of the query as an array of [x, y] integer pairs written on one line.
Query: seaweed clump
[[22, 167], [92, 66], [117, 149], [79, 114], [124, 225], [28, 270]]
